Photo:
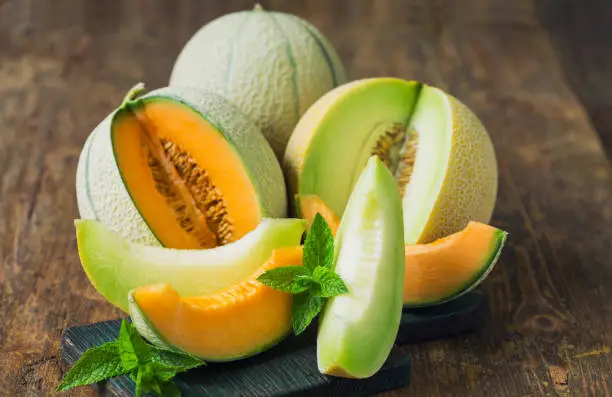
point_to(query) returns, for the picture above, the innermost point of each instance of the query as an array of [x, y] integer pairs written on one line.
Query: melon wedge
[[451, 266], [238, 322], [309, 205], [437, 149], [115, 265], [358, 329]]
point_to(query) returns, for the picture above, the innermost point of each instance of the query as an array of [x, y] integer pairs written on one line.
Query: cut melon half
[[181, 168], [357, 330], [115, 265], [438, 151], [238, 322], [451, 266]]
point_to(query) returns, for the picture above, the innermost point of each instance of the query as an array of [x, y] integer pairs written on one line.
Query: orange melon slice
[[309, 205], [240, 321], [451, 266]]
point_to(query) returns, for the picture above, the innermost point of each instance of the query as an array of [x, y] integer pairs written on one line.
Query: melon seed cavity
[[397, 148], [188, 189]]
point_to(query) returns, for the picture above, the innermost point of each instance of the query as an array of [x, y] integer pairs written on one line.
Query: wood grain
[[65, 64]]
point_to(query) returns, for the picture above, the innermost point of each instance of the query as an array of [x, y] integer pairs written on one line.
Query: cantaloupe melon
[[179, 167], [451, 266], [438, 150], [272, 65], [238, 322], [115, 265]]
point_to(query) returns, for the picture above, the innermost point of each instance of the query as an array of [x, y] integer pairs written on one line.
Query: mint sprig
[[312, 282], [151, 368]]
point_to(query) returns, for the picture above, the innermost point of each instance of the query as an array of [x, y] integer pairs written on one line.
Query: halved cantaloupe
[[179, 167], [238, 322], [451, 266], [309, 205]]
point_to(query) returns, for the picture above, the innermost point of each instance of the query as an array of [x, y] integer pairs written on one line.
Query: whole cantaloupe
[[271, 65]]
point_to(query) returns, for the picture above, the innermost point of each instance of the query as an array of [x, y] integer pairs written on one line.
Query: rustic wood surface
[[65, 64]]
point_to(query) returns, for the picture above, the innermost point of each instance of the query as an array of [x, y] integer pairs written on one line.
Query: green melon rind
[[499, 239], [150, 333], [336, 69], [108, 200], [114, 266]]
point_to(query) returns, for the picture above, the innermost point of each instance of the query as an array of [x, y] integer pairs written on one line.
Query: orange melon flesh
[[169, 119], [240, 321], [444, 269], [309, 205]]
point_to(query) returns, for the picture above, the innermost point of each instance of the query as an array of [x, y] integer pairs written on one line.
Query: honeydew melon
[[245, 319], [357, 330], [272, 65], [438, 150], [181, 168], [115, 265]]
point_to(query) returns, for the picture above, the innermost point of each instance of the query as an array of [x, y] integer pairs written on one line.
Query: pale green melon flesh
[[115, 266], [358, 329], [339, 151], [432, 121], [347, 133]]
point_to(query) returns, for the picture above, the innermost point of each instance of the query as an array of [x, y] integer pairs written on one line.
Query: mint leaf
[[150, 367], [304, 309], [133, 349], [293, 279], [166, 360], [169, 389], [95, 365], [147, 380], [328, 283], [319, 245]]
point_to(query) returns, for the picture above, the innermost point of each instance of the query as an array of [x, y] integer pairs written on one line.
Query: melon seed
[[397, 149], [188, 189], [208, 198]]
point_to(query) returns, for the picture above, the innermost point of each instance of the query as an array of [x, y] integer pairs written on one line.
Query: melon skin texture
[[103, 196], [114, 265], [272, 65], [243, 320], [358, 329], [454, 178]]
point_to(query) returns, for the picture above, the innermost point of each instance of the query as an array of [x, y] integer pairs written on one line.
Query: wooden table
[[65, 64]]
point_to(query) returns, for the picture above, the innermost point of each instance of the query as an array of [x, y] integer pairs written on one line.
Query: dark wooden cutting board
[[290, 369]]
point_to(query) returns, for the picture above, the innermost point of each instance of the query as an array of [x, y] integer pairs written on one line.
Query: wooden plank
[[580, 34], [287, 370], [550, 294], [65, 64]]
